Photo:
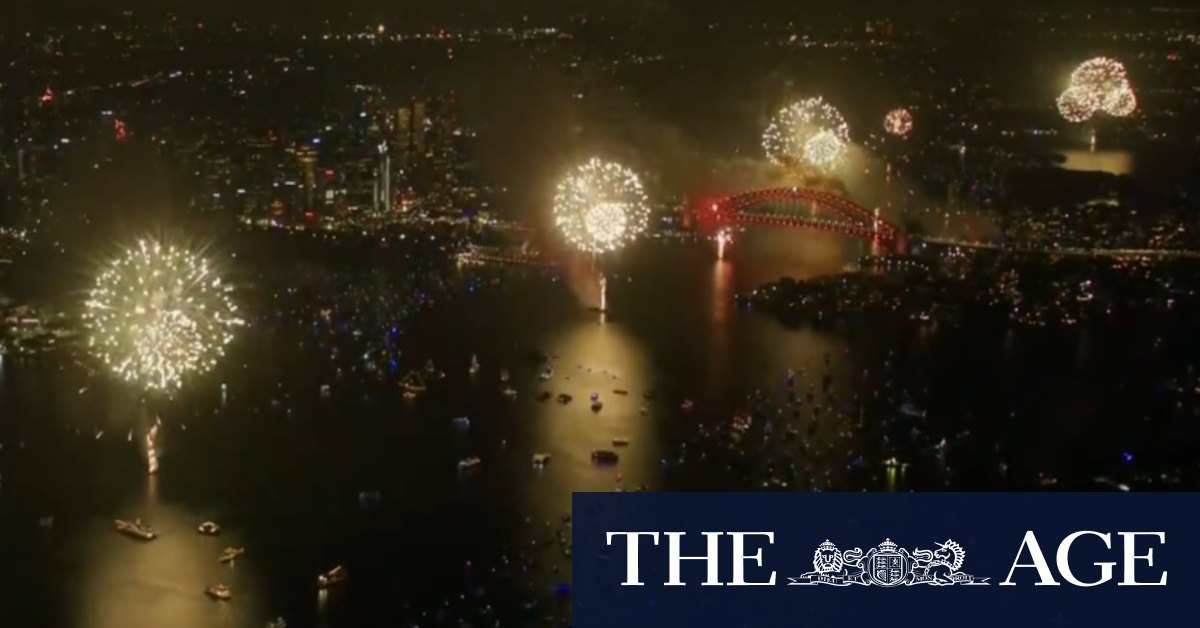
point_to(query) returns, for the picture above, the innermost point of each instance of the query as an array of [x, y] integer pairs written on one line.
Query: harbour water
[[292, 473]]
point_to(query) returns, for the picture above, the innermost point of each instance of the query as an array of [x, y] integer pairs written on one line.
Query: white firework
[[601, 206], [810, 131], [158, 313], [1097, 85], [898, 122]]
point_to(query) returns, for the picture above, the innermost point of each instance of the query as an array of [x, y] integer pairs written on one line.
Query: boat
[[231, 554], [620, 391], [596, 404], [509, 392], [620, 441], [413, 383], [546, 373], [209, 528], [333, 577], [429, 368], [504, 375], [540, 460], [473, 369], [472, 462], [687, 405], [135, 529], [278, 622], [544, 395], [564, 398], [604, 456], [219, 592], [741, 421], [910, 410], [462, 423]]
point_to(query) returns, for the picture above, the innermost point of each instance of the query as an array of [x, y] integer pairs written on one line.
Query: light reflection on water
[[128, 582], [1119, 162]]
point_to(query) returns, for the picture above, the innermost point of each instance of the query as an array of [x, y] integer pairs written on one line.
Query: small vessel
[[278, 622], [544, 395], [596, 404], [326, 391], [509, 392], [620, 441], [429, 368], [209, 528], [135, 529], [231, 554], [604, 456], [473, 369], [741, 421], [620, 391], [333, 577], [472, 462], [547, 373], [504, 375], [219, 592], [910, 410], [462, 423], [540, 460], [564, 398], [413, 383], [687, 405]]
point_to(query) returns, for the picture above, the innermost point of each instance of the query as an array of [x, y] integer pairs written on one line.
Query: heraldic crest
[[888, 565]]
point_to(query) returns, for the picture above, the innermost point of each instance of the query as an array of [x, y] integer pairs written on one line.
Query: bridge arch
[[835, 213]]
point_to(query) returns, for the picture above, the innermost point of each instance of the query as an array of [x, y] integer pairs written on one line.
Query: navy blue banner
[[886, 559]]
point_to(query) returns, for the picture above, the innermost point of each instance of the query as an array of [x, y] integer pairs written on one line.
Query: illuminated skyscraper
[[418, 128], [383, 182], [306, 162]]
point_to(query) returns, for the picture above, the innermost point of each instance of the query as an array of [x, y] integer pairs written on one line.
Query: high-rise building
[[418, 128], [383, 182], [306, 162], [404, 118]]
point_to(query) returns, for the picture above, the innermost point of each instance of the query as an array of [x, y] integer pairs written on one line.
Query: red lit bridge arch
[[770, 208]]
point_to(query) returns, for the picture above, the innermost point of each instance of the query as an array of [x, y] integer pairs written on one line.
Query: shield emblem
[[887, 568]]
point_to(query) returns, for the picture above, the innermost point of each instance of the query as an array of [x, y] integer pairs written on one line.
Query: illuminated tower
[[383, 182], [404, 121], [417, 128], [306, 162]]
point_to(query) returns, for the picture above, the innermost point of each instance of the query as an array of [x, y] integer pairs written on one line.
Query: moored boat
[[331, 578], [231, 554], [135, 529], [220, 592]]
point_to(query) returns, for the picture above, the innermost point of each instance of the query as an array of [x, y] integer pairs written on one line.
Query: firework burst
[[898, 122], [810, 131], [601, 206], [158, 313], [1097, 85]]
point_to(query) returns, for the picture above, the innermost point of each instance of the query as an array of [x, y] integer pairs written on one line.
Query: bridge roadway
[[1072, 251]]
